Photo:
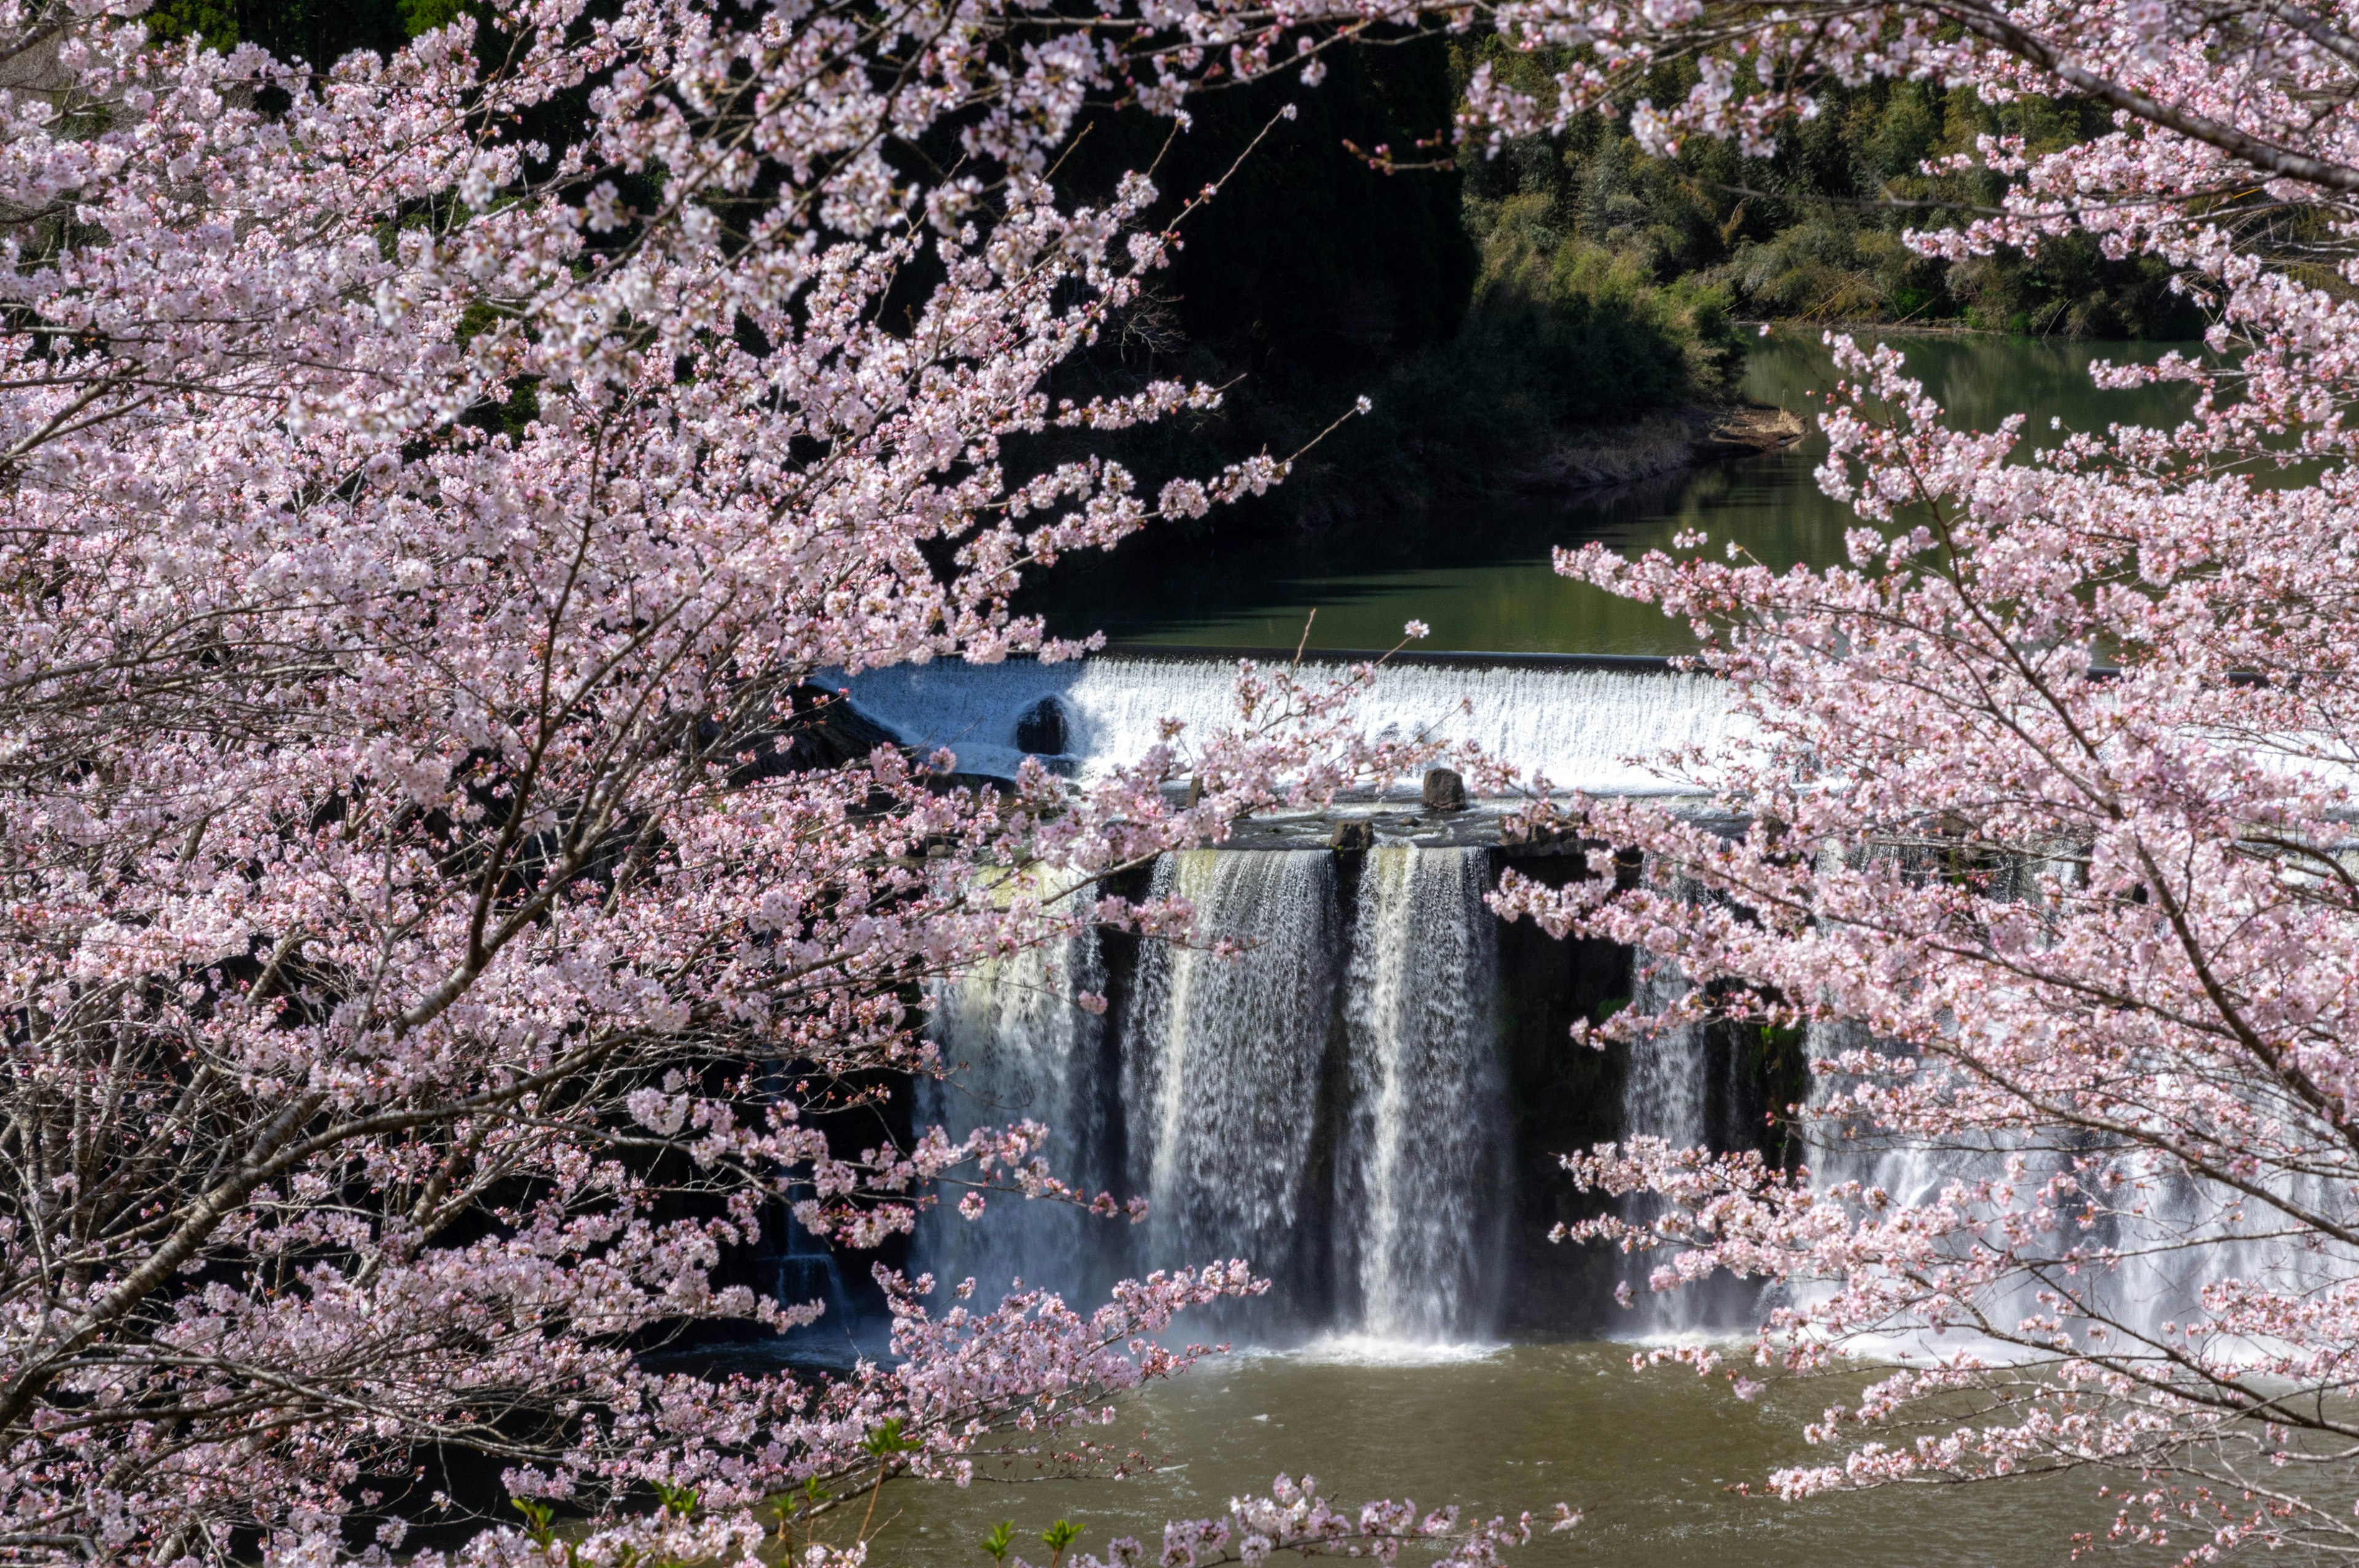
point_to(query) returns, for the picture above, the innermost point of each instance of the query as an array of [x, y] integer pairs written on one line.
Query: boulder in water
[[1040, 729], [1351, 838], [1444, 790]]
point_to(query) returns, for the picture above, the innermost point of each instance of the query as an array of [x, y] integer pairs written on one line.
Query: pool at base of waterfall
[[1650, 1457]]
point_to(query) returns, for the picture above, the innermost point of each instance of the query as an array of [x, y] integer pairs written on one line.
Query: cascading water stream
[[1424, 1170], [1021, 1048], [1667, 1094], [2155, 1212], [1221, 1062]]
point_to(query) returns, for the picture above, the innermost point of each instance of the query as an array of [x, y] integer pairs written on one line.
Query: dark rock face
[[1040, 729], [1350, 837], [819, 730], [1444, 791]]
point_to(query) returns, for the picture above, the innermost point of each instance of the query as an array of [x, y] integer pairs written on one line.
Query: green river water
[[1481, 578], [1651, 1457]]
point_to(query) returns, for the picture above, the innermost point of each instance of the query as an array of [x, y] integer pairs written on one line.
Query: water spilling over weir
[[1586, 723], [1368, 1103]]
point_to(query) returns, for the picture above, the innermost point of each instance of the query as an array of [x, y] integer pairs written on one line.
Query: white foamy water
[[1424, 1165], [1222, 1061], [1020, 1048], [1376, 1350], [1585, 726], [2176, 1236]]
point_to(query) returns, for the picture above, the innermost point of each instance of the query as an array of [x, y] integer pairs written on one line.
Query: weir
[[1366, 1102], [1590, 723]]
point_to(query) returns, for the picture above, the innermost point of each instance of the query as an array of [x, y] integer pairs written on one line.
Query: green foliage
[[1000, 1539], [885, 1440], [538, 1516], [1781, 1066], [1058, 1536], [214, 21], [1480, 331], [424, 15], [1813, 231], [1602, 335], [319, 32]]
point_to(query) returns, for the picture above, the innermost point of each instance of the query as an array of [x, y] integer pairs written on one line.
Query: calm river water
[[1481, 579], [1650, 1456]]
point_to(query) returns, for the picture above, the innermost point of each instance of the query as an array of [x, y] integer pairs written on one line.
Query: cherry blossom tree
[[2048, 795], [442, 904]]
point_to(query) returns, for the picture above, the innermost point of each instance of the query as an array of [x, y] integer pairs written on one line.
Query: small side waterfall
[[1221, 1061], [2160, 1278], [1669, 1093], [1424, 1169], [1022, 1049], [2153, 1211]]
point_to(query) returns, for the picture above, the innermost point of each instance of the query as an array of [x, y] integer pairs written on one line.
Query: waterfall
[[1019, 1048], [1314, 1084], [1667, 1094], [1221, 1062], [2160, 1278], [1424, 1168], [1579, 721]]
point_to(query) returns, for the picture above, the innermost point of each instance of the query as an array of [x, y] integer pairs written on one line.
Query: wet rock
[[1444, 790], [1351, 838], [1041, 730]]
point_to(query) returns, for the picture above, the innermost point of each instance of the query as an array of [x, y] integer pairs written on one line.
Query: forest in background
[[1524, 319], [1533, 317]]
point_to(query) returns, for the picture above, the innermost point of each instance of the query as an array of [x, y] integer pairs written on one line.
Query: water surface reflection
[[1480, 576]]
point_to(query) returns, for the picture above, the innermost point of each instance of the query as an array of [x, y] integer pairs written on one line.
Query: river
[[1651, 1458]]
